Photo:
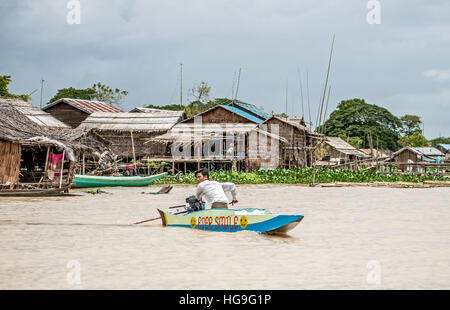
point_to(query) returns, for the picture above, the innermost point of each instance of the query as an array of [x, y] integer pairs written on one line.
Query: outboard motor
[[193, 204]]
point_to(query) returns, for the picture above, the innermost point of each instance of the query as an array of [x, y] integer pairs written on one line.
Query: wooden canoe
[[106, 181], [35, 192], [228, 220]]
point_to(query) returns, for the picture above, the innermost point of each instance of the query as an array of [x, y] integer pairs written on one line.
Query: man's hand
[[233, 202]]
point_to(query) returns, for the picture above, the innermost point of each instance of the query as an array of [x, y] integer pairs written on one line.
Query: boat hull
[[106, 181], [227, 220]]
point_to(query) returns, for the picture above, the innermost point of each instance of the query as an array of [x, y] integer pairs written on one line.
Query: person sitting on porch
[[213, 191]]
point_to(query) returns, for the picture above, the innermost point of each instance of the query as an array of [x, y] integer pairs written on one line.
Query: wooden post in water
[[62, 168], [132, 145], [46, 164], [84, 164]]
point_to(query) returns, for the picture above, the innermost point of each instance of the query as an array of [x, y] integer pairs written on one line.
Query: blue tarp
[[243, 114]]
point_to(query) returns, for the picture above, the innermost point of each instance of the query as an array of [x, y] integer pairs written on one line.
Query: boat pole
[[156, 218]]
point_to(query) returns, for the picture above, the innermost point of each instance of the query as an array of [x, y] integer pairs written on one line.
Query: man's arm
[[230, 187], [199, 193]]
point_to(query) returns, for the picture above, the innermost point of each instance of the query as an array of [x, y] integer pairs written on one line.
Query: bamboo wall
[[9, 163]]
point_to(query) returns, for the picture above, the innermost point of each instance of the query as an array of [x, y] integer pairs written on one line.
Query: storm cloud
[[401, 64]]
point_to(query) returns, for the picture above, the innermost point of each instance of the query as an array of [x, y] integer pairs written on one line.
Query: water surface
[[350, 238]]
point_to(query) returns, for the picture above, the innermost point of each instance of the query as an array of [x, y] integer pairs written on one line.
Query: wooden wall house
[[218, 138], [297, 151], [73, 112], [413, 155]]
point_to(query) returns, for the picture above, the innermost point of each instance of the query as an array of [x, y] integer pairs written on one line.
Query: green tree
[[98, 91], [356, 142], [84, 94], [201, 92], [410, 124], [440, 140], [106, 94], [414, 140], [4, 92], [356, 118]]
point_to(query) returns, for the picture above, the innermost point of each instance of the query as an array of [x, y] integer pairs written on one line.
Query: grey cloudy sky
[[402, 64]]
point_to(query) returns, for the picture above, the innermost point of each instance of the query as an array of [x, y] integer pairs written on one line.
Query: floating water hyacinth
[[302, 176]]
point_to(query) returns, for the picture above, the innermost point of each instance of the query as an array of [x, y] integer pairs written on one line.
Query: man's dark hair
[[203, 171]]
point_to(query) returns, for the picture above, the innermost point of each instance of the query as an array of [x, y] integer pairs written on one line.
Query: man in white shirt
[[213, 191]]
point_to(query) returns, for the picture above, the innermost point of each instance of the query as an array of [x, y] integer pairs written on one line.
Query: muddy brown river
[[350, 238]]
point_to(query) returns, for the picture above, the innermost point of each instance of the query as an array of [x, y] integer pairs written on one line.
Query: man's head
[[202, 175]]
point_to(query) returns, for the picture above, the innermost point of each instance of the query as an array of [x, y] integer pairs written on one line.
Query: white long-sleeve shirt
[[214, 191]]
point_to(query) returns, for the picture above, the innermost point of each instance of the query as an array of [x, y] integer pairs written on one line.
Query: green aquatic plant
[[302, 176]]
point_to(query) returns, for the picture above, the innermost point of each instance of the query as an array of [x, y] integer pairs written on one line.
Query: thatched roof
[[181, 113], [18, 128], [39, 117], [189, 132], [160, 121], [343, 147]]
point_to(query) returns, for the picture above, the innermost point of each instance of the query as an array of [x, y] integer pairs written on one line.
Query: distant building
[[297, 152], [380, 154], [73, 112], [224, 132], [416, 154], [445, 149], [338, 152]]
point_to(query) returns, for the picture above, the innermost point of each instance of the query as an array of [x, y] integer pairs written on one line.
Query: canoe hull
[[227, 220], [106, 181]]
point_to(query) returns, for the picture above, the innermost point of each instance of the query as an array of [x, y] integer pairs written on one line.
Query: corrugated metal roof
[[190, 131], [444, 146], [88, 106], [130, 121], [292, 122], [426, 151], [39, 117], [343, 146], [252, 108], [158, 111], [243, 114]]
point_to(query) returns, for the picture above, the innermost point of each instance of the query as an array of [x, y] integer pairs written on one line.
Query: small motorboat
[[229, 220]]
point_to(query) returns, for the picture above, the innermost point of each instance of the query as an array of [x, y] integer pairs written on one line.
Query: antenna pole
[[237, 87], [181, 85], [309, 106], [42, 89], [301, 91], [286, 97]]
